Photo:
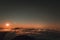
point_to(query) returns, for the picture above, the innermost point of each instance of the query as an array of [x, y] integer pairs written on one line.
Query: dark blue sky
[[30, 11]]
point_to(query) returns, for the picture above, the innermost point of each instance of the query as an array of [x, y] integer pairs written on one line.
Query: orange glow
[[9, 25]]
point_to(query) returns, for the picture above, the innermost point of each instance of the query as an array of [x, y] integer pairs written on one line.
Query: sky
[[42, 11]]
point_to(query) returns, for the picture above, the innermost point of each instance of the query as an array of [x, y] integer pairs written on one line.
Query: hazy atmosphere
[[29, 11], [29, 20]]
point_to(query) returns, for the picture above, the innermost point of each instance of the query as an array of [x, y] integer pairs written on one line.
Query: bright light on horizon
[[7, 24]]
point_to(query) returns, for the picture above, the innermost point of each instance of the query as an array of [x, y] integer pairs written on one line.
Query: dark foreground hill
[[43, 35]]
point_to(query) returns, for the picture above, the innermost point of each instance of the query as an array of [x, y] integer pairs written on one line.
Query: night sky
[[30, 11]]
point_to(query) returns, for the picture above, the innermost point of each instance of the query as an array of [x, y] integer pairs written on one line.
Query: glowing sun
[[7, 24]]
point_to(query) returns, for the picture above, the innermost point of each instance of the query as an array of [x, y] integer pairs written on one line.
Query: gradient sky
[[30, 11]]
